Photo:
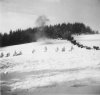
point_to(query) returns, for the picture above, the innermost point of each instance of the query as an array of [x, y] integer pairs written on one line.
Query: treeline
[[63, 31]]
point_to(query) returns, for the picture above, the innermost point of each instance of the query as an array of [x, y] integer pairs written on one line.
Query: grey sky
[[16, 14]]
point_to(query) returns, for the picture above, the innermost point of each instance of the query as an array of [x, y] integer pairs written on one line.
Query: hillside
[[48, 62], [62, 31]]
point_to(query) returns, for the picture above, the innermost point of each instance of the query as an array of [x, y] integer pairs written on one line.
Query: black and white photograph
[[49, 47]]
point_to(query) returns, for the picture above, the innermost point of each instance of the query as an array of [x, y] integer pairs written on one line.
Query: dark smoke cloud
[[41, 22]]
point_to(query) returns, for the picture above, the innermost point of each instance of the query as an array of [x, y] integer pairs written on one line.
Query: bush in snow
[[96, 48], [89, 48]]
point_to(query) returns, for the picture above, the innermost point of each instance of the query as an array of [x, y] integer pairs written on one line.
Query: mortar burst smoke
[[41, 23]]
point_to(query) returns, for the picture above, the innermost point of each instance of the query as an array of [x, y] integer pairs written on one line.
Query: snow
[[47, 66], [89, 40]]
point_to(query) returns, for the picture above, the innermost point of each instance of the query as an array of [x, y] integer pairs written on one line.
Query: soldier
[[33, 51], [15, 53], [71, 48], [57, 49], [20, 53], [45, 49], [1, 55], [8, 54], [63, 49]]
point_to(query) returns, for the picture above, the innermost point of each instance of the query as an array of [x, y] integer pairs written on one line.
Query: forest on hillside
[[63, 31]]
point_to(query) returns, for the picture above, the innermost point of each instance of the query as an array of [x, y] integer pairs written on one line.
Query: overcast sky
[[22, 14]]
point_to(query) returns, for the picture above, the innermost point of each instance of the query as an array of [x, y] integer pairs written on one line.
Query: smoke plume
[[41, 22]]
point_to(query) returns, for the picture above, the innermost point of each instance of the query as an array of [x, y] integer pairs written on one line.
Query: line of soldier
[[8, 54], [20, 53], [57, 49]]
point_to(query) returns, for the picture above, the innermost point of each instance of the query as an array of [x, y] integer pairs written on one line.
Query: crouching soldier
[[1, 55], [20, 53], [8, 54], [45, 49], [33, 51], [15, 53], [63, 49]]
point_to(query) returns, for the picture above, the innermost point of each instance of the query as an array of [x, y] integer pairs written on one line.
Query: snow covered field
[[89, 40], [50, 62]]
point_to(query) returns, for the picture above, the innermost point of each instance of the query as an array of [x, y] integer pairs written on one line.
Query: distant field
[[88, 37], [89, 40]]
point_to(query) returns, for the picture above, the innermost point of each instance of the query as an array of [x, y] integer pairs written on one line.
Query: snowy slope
[[89, 40], [51, 62]]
